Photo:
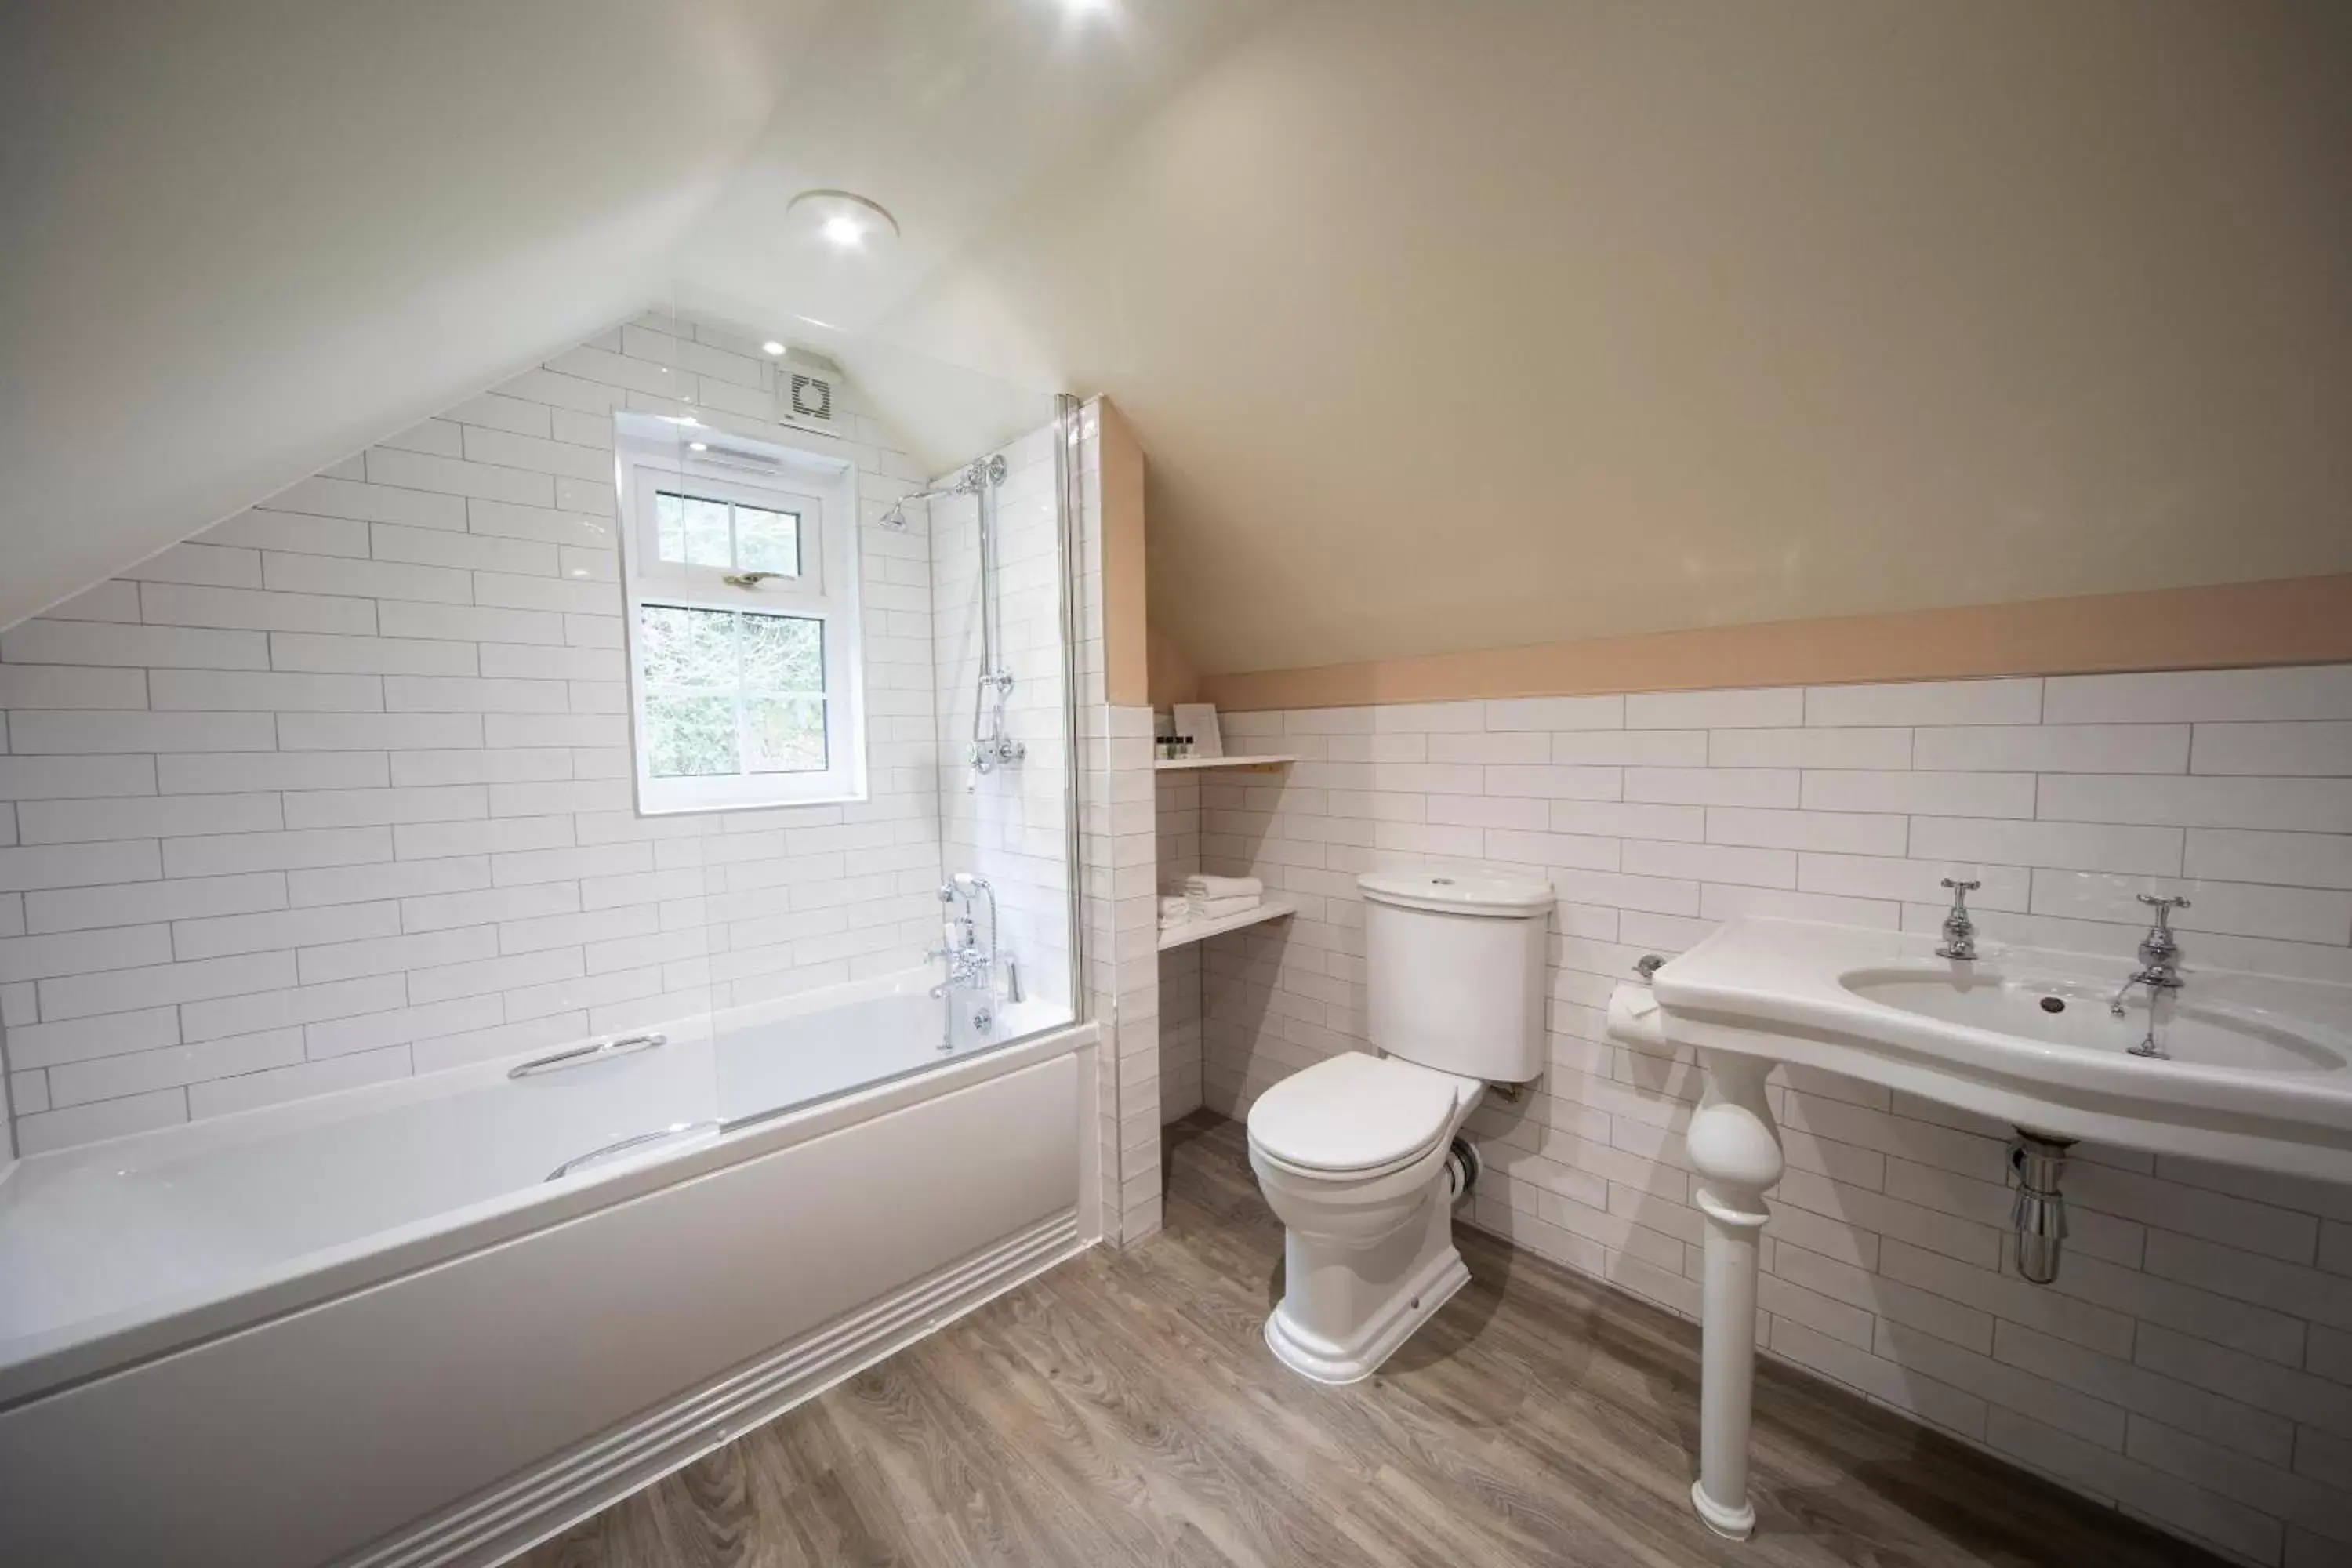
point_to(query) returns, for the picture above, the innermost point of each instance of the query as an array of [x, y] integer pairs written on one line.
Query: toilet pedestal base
[[1348, 1303], [1359, 1354]]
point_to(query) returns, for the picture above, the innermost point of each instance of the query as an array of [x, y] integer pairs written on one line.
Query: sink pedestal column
[[1735, 1149]]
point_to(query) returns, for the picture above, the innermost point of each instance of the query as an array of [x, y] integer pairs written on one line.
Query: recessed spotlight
[[771, 347], [698, 446], [840, 220]]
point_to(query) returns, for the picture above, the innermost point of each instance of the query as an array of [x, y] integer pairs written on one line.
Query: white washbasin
[[2254, 1074], [2057, 1011], [2258, 1069]]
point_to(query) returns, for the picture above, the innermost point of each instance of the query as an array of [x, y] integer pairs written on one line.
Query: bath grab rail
[[580, 1055], [636, 1140]]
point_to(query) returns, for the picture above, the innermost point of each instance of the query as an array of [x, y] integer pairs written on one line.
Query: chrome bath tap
[[2159, 968], [970, 966], [969, 963]]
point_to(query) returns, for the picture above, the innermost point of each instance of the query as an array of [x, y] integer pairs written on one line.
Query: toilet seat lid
[[1354, 1112]]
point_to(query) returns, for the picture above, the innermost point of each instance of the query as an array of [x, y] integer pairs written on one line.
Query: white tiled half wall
[[1117, 847], [1179, 967], [340, 790], [2194, 1363]]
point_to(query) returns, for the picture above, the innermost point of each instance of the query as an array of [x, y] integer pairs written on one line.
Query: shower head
[[897, 516], [986, 471]]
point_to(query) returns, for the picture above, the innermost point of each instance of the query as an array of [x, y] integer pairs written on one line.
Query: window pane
[[690, 737], [669, 524], [688, 647], [784, 735], [784, 654], [767, 540], [691, 530]]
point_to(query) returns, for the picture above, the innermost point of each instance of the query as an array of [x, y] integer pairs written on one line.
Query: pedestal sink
[[2255, 1070], [2055, 1011]]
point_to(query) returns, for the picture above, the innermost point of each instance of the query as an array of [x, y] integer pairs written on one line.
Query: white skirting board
[[544, 1501]]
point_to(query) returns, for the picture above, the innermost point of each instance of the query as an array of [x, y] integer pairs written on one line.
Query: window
[[742, 590], [695, 530]]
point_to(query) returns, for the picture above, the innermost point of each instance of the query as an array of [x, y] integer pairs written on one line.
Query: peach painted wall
[[1126, 667], [2306, 620], [1173, 677]]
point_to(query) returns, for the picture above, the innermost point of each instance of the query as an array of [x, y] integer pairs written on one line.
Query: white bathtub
[[370, 1326]]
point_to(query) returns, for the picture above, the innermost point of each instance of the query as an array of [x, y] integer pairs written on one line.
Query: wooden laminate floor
[[1124, 1409]]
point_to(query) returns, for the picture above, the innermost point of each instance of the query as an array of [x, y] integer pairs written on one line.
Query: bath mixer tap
[[970, 966], [1959, 931], [2159, 968]]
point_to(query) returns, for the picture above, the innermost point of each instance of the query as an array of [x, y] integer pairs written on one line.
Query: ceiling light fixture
[[840, 220], [771, 347], [698, 446]]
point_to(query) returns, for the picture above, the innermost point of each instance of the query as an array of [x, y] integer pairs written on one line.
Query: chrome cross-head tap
[[1959, 931], [2159, 968], [2159, 949]]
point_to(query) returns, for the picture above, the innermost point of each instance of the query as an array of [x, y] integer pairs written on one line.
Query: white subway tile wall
[[1179, 840], [2193, 1363], [1118, 847], [340, 790]]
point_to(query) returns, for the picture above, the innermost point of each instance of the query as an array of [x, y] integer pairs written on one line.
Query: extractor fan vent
[[811, 399]]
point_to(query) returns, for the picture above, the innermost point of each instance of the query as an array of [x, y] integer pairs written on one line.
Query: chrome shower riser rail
[[991, 746]]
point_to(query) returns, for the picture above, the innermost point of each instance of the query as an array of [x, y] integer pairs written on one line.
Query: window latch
[[748, 579]]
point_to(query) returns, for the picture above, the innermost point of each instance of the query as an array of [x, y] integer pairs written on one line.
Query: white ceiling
[[1443, 325], [247, 238], [946, 112]]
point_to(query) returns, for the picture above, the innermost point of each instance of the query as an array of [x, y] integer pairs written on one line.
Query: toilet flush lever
[[1646, 967]]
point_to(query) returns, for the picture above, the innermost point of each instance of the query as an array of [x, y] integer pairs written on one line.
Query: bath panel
[[328, 1434]]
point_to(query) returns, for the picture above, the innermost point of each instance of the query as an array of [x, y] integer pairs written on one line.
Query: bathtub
[[437, 1320]]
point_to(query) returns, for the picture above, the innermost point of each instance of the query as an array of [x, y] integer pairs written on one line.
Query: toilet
[[1356, 1154]]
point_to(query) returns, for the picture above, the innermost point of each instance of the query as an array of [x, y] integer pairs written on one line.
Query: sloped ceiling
[[1444, 326], [947, 112], [245, 239], [1474, 325]]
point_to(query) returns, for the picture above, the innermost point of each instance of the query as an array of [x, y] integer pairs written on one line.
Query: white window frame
[[651, 455]]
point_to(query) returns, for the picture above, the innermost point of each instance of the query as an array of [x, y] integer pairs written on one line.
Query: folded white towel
[[1218, 909], [1174, 911], [1198, 888]]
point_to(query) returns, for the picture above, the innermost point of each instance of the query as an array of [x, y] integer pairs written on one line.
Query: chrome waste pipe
[[2039, 1218]]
